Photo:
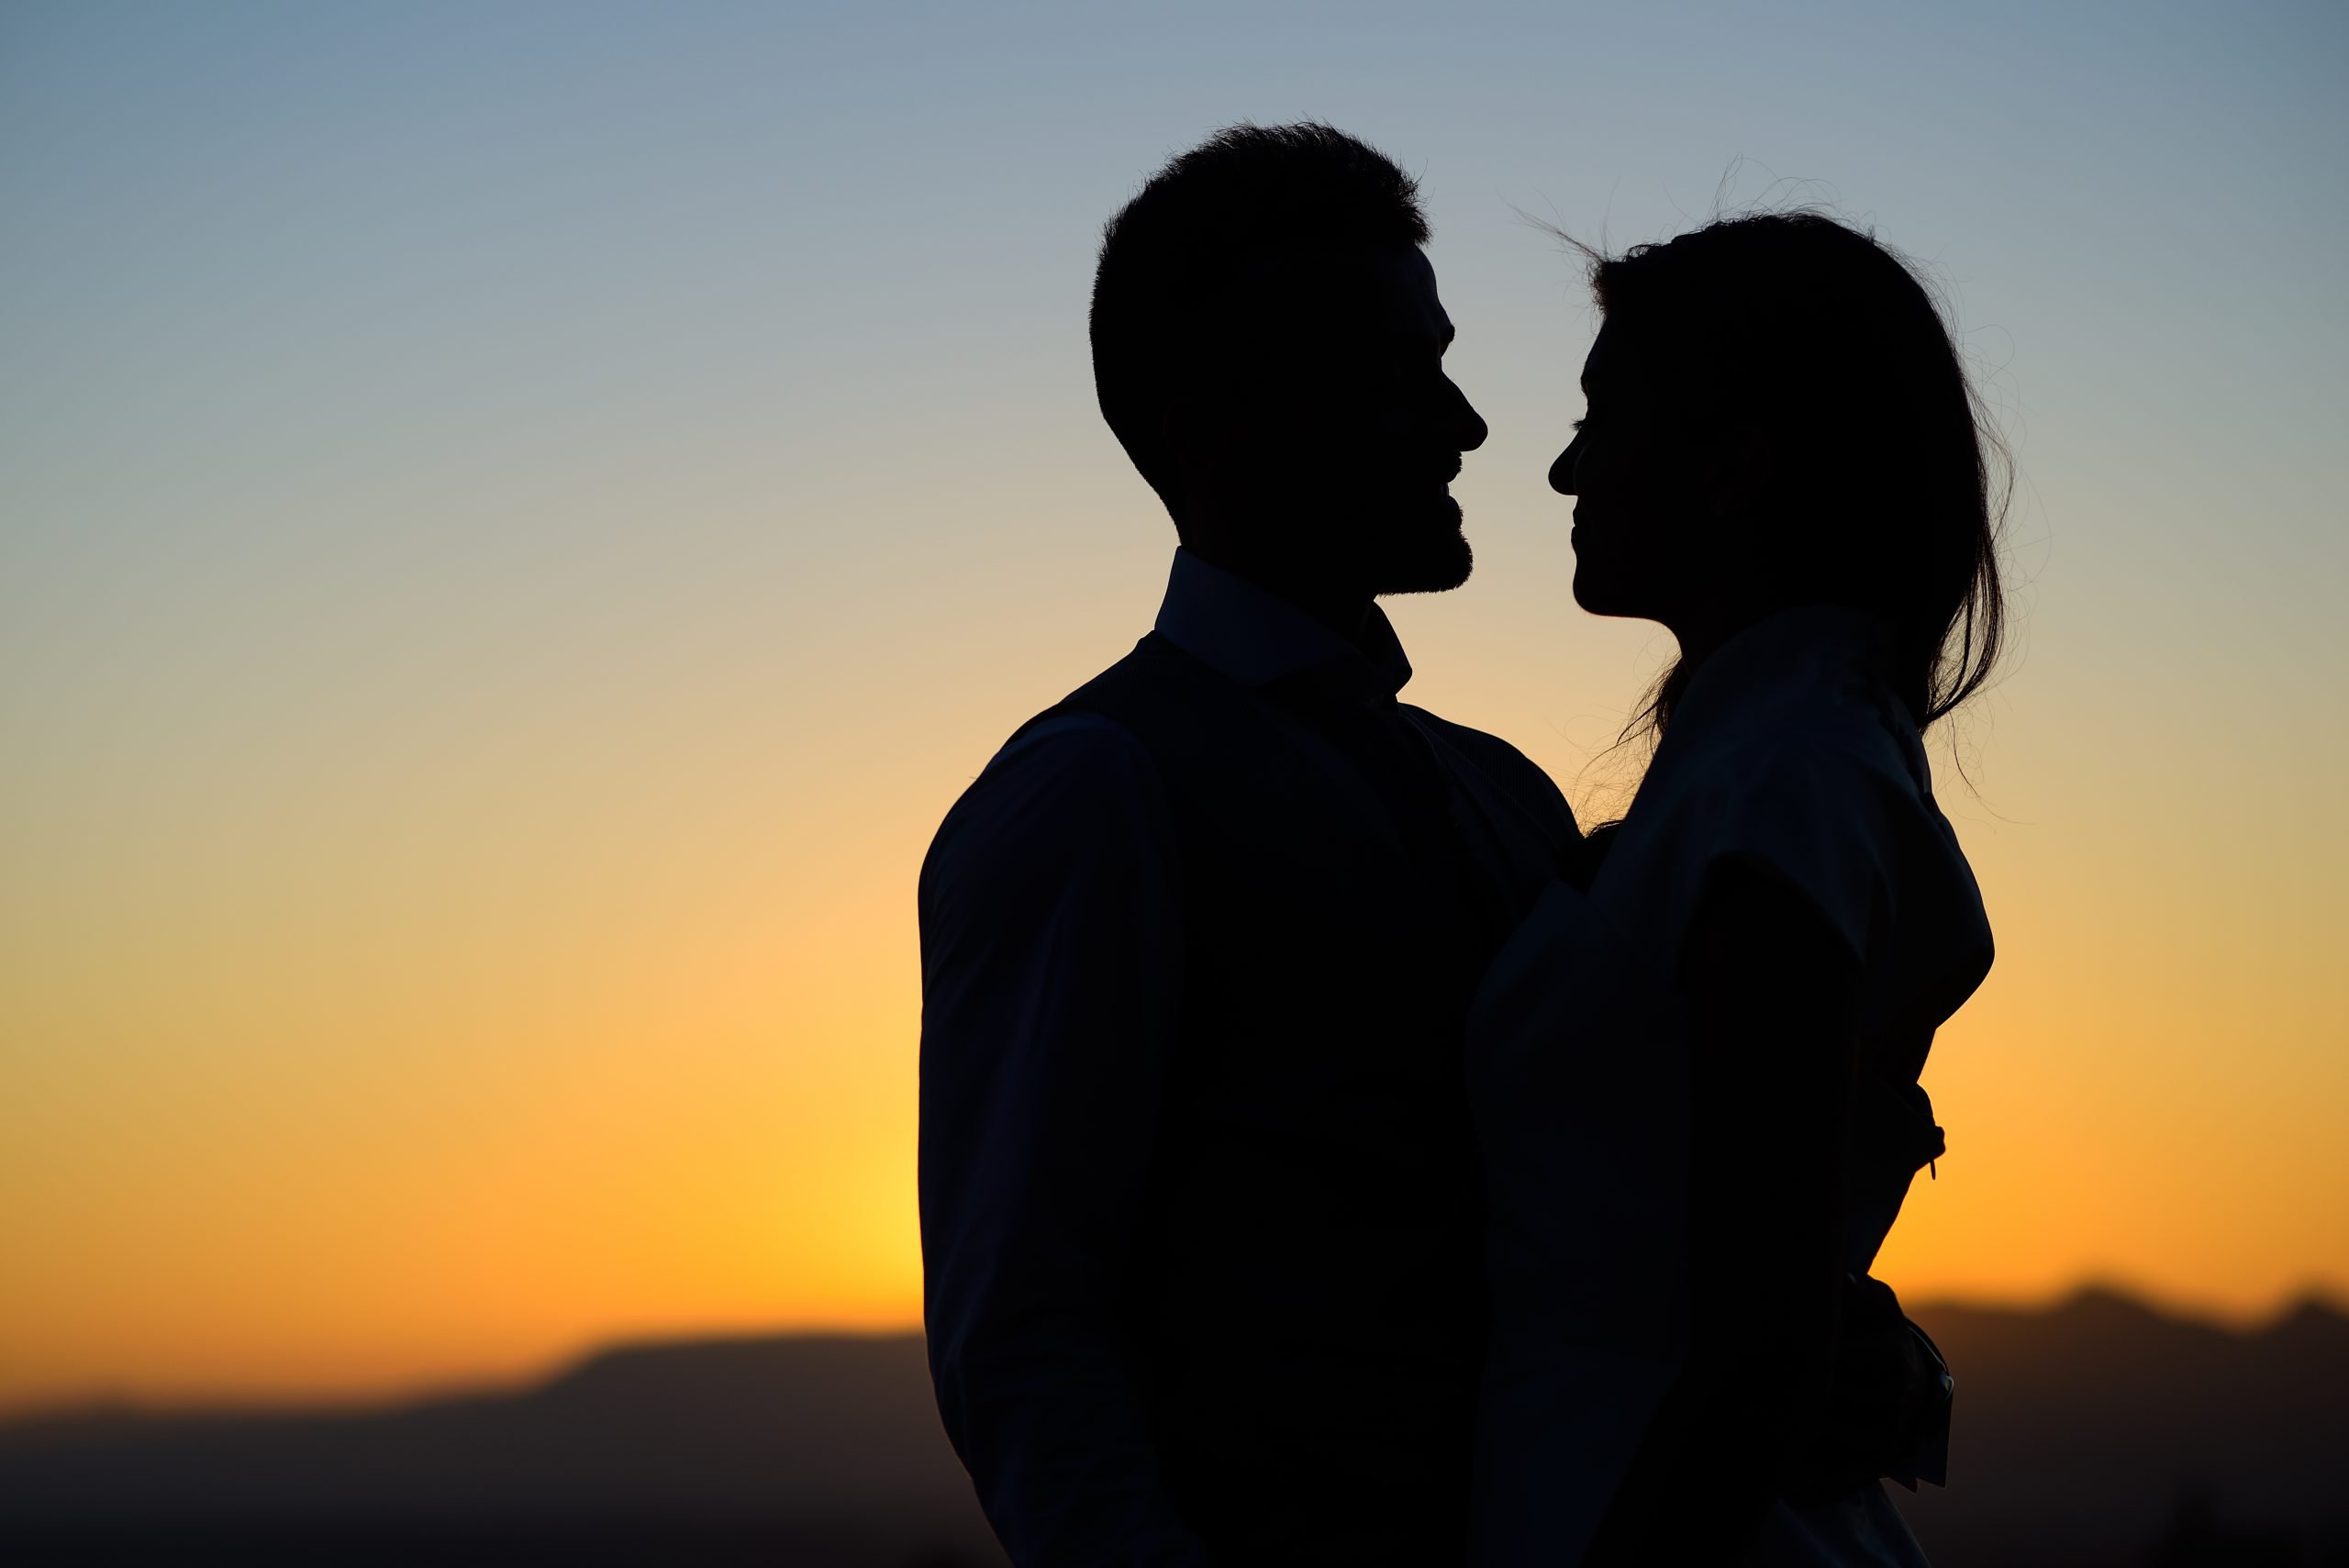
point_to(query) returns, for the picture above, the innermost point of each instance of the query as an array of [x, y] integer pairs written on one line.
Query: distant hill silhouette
[[2098, 1434], [2088, 1432], [818, 1451]]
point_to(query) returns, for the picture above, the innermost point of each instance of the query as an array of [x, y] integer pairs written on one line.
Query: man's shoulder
[[1496, 758], [1088, 735], [1064, 789], [1461, 736], [1062, 758], [1510, 786], [1155, 685]]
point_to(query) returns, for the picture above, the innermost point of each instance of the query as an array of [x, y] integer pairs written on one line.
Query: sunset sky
[[515, 521]]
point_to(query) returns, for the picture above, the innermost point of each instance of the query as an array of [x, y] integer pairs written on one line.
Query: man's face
[[1326, 435]]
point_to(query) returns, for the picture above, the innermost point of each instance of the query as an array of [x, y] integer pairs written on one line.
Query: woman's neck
[[1702, 631]]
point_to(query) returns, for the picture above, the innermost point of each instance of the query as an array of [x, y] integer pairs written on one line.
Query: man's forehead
[[1392, 286]]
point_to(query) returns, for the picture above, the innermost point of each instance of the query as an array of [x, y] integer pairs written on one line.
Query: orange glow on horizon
[[515, 530], [703, 1122]]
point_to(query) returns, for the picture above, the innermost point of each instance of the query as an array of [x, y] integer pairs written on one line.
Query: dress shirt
[[1052, 975]]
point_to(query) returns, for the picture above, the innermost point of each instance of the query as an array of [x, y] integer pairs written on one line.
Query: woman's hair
[[1891, 483]]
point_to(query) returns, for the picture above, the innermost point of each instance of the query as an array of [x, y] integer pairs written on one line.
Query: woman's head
[[1777, 416]]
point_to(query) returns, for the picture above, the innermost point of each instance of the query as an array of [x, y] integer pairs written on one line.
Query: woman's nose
[[1561, 472]]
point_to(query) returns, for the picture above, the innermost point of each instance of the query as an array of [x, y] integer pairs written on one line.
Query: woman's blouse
[[1787, 755]]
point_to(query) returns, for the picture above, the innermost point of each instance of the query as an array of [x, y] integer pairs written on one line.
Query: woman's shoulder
[[1833, 753], [1823, 786]]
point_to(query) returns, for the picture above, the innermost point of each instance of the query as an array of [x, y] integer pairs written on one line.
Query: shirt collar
[[1803, 648], [1250, 635]]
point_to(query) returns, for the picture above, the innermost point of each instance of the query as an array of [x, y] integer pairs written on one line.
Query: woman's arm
[[1772, 997]]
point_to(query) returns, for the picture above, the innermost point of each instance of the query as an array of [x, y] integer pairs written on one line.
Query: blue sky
[[488, 490]]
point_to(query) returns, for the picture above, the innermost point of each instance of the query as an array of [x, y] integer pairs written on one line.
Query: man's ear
[[1177, 433], [1189, 441]]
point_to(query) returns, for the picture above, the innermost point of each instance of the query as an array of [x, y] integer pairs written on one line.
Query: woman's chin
[[1599, 596]]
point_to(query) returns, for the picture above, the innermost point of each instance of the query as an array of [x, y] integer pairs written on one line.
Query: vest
[[1306, 1313]]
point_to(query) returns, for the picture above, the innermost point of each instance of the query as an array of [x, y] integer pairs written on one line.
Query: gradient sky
[[516, 520]]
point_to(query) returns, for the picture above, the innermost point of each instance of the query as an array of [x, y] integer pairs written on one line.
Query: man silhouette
[[1200, 1214]]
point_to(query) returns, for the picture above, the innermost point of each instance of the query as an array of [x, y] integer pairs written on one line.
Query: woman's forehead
[[1626, 359]]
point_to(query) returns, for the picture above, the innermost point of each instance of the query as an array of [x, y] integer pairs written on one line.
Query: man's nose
[[1470, 427]]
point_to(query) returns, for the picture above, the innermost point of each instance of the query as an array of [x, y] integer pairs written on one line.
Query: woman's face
[[1649, 504]]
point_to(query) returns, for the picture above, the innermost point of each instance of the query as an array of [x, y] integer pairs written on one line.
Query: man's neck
[[1343, 609]]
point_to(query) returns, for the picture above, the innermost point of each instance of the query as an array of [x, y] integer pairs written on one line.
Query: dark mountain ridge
[[2098, 1431], [821, 1450], [2086, 1429]]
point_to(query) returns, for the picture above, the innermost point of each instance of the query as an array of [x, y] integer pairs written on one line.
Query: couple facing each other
[[1330, 1154]]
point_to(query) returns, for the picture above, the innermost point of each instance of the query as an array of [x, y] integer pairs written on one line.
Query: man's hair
[[1195, 230]]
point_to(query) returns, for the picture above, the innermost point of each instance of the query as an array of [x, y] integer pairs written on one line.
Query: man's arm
[[1052, 967]]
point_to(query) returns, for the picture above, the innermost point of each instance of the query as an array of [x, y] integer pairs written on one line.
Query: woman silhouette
[[1695, 1075]]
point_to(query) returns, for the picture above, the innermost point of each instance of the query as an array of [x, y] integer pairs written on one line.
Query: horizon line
[[101, 1403]]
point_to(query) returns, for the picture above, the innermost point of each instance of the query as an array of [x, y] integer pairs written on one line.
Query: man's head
[[1267, 343]]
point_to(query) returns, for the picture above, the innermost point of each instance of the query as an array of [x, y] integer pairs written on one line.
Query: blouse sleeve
[[1854, 837], [1795, 818]]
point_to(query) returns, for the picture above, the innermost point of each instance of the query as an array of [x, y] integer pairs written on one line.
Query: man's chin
[[1434, 566], [1422, 553]]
